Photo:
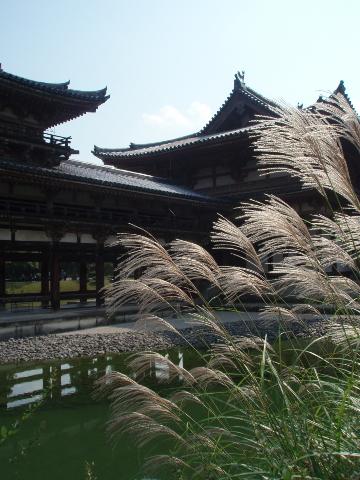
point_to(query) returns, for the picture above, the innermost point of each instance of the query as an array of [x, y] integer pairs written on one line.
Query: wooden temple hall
[[58, 213]]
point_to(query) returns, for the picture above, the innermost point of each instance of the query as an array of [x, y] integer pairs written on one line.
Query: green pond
[[65, 433], [66, 430]]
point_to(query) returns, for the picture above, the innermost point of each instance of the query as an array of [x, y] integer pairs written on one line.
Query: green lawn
[[69, 285], [35, 287], [15, 288], [92, 286]]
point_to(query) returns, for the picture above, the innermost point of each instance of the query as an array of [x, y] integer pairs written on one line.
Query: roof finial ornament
[[341, 87], [239, 81]]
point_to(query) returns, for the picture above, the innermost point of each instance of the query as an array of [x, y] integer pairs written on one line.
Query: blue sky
[[169, 65]]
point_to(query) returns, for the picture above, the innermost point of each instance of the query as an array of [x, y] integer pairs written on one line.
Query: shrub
[[255, 410]]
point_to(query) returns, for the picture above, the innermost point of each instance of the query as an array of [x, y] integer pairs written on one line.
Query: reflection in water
[[52, 381], [65, 379], [24, 401], [25, 388], [161, 370], [28, 373], [68, 429], [26, 384], [181, 359], [68, 391]]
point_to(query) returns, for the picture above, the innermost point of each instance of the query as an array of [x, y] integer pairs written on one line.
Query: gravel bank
[[50, 347]]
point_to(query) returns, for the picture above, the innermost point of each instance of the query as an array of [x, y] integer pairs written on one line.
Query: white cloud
[[195, 116], [167, 116], [199, 111]]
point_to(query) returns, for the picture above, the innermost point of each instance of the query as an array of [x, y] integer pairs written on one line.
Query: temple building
[[56, 210]]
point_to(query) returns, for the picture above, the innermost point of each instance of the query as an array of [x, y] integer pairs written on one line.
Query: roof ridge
[[162, 142], [97, 149], [216, 114], [261, 97], [342, 89], [11, 76], [327, 95], [168, 146], [60, 88], [101, 91], [136, 146], [240, 87], [228, 132], [165, 142]]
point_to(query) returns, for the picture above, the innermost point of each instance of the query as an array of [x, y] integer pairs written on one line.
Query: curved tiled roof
[[240, 88], [342, 89], [201, 137], [61, 89], [168, 145], [108, 177], [323, 99]]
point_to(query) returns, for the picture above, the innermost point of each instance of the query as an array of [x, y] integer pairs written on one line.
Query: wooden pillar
[[47, 381], [56, 382], [99, 268], [100, 237], [45, 279], [83, 279], [2, 281], [55, 233], [55, 278]]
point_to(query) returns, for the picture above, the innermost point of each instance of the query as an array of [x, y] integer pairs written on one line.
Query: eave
[[66, 103], [184, 145]]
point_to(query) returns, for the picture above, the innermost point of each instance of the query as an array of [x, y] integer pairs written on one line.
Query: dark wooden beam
[[99, 268], [45, 280], [83, 278], [2, 279], [55, 278]]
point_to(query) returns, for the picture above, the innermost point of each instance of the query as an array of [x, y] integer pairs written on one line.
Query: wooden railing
[[245, 189], [30, 301], [57, 140], [33, 136], [12, 207]]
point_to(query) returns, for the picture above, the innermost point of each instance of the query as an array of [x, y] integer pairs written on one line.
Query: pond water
[[66, 431]]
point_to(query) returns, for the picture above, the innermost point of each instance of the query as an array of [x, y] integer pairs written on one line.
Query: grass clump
[[255, 410]]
